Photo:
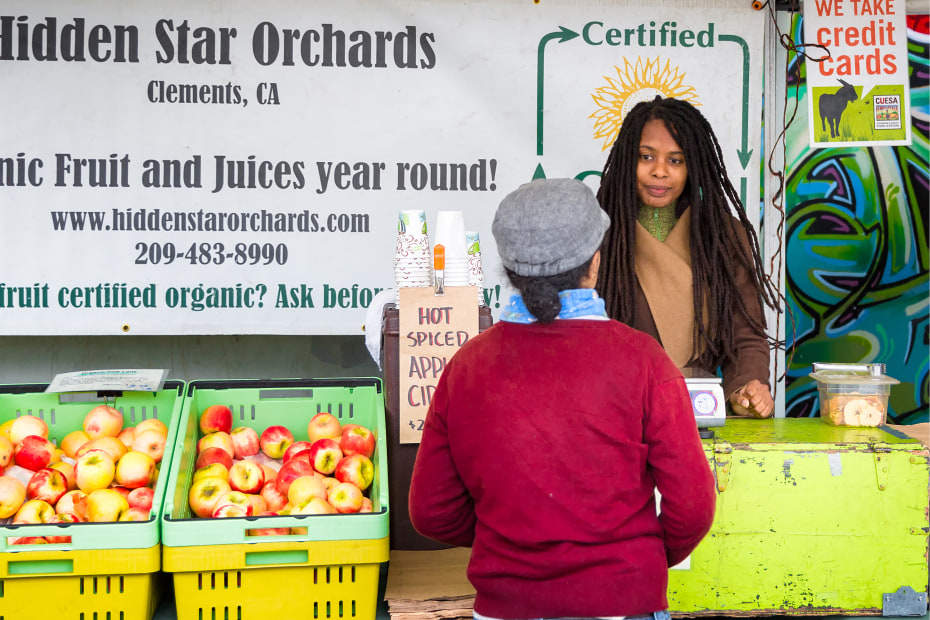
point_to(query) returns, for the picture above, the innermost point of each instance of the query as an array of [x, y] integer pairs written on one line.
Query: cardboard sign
[[432, 328], [859, 88]]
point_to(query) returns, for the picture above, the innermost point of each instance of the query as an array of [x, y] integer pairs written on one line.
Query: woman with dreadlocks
[[682, 247]]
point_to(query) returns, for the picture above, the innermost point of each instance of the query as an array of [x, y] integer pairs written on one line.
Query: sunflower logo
[[634, 83]]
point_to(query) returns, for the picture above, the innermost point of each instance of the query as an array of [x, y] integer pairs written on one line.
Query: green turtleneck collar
[[659, 221]]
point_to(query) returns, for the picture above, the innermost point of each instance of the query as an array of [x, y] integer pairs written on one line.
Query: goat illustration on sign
[[832, 106]]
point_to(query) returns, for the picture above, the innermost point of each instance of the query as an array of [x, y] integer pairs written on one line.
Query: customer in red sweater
[[549, 434]]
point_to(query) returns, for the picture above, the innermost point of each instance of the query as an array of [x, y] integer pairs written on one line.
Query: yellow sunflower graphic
[[635, 83]]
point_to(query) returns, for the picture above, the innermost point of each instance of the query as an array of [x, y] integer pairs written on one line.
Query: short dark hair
[[541, 293]]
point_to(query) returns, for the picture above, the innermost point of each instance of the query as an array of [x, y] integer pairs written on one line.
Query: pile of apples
[[104, 472], [240, 472]]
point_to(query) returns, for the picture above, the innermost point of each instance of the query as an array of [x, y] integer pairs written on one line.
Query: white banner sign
[[174, 168]]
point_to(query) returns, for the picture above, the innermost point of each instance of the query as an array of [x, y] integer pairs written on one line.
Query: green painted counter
[[811, 519]]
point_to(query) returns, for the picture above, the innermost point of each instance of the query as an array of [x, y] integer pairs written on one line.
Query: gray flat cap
[[549, 226]]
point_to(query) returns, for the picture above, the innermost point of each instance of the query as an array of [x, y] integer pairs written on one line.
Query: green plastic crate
[[221, 572], [259, 404], [64, 412]]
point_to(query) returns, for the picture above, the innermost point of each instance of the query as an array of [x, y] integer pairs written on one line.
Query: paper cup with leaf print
[[475, 271]]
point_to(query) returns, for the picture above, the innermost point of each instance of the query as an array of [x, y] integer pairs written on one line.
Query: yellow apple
[[213, 469], [12, 496], [135, 470], [103, 421], [111, 445], [150, 424], [26, 425], [94, 470], [6, 452], [106, 505], [72, 442]]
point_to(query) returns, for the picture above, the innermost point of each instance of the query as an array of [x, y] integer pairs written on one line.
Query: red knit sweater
[[542, 450]]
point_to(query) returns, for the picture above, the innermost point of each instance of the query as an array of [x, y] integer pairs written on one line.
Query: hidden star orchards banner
[[197, 168]]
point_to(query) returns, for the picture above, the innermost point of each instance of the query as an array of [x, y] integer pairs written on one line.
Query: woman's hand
[[753, 400]]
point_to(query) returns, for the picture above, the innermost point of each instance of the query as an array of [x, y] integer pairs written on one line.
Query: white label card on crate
[[432, 328], [126, 380]]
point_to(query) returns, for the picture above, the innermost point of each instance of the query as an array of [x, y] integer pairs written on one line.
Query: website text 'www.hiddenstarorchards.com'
[[241, 252]]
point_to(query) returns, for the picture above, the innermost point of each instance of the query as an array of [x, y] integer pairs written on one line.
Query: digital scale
[[707, 400]]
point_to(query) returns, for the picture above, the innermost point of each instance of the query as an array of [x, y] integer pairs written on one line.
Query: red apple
[[152, 442], [204, 493], [142, 498], [48, 485], [134, 514], [324, 455], [367, 506], [121, 490], [33, 452], [26, 425], [103, 421], [294, 449], [275, 440], [64, 518], [245, 442], [274, 499], [136, 469], [28, 540], [356, 469], [246, 476], [345, 497], [294, 469], [323, 425], [216, 418], [12, 496], [214, 455], [357, 439]]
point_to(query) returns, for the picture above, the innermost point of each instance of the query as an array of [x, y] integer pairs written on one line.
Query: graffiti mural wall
[[857, 256]]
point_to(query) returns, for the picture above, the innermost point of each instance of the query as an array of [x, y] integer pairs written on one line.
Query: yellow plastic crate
[[119, 584], [329, 571], [317, 579]]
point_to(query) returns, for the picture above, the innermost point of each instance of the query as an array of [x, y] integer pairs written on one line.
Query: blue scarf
[[576, 304]]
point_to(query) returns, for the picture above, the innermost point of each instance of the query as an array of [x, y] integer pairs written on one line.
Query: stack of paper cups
[[450, 233], [412, 264], [475, 273]]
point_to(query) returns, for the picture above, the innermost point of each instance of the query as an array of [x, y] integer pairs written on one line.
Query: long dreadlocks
[[716, 250]]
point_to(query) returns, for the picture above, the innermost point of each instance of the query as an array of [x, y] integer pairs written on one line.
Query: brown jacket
[[663, 271]]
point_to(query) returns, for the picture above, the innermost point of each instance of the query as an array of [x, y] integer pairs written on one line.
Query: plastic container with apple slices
[[220, 570], [107, 570]]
